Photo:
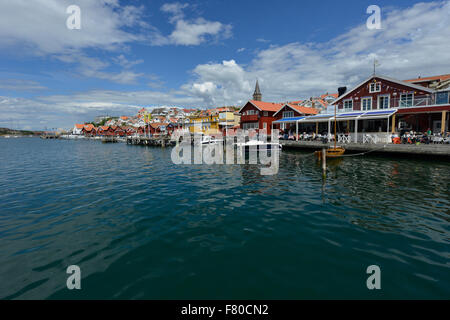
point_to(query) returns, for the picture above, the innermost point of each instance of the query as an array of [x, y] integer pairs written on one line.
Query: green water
[[140, 227]]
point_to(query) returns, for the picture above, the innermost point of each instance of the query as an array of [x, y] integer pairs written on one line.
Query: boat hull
[[331, 153]]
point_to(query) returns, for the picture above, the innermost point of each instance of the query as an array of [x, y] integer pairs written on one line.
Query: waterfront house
[[205, 121], [78, 129], [89, 130], [228, 119], [380, 106], [259, 115], [287, 117]]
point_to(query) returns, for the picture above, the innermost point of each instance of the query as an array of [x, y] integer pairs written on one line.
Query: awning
[[289, 120], [318, 118], [359, 115], [348, 116], [377, 114]]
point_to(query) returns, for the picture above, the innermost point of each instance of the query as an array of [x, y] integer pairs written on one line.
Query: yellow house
[[203, 123], [229, 119]]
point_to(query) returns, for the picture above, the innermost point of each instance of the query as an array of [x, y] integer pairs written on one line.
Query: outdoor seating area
[[413, 137]]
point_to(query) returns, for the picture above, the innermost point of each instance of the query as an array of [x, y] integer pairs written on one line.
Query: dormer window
[[288, 114], [375, 87]]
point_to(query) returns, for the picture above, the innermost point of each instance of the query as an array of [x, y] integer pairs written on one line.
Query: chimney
[[342, 91]]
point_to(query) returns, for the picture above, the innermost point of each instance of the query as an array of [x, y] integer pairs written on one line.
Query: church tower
[[257, 96]]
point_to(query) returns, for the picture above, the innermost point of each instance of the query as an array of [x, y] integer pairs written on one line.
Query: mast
[[335, 126]]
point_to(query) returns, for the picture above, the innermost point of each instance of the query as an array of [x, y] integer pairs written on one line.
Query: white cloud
[[20, 85], [41, 25], [191, 32]]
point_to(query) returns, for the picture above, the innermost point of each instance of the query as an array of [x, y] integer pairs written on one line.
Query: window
[[383, 102], [266, 114], [288, 114], [366, 104], [265, 125], [406, 99], [348, 105], [375, 87], [442, 97], [251, 125]]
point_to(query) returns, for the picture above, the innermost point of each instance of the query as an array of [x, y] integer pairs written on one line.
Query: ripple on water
[[141, 227]]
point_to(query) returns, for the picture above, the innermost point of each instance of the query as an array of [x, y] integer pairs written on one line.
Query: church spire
[[257, 96]]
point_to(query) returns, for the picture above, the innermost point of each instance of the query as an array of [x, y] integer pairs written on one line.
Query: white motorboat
[[207, 140], [259, 145]]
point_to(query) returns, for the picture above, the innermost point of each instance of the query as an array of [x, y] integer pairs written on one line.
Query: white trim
[[403, 83], [371, 103], [251, 104], [406, 94], [377, 85], [343, 105], [383, 96], [287, 105]]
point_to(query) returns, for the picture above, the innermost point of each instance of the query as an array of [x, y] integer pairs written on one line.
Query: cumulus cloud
[[191, 32], [41, 25]]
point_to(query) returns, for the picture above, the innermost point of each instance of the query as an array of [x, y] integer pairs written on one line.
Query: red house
[[287, 117], [259, 115], [382, 104]]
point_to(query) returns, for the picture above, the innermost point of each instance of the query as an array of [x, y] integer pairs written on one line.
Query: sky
[[203, 54]]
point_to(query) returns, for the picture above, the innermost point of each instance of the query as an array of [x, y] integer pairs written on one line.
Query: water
[[141, 227]]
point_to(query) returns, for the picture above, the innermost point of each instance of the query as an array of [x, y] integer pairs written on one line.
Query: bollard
[[324, 162]]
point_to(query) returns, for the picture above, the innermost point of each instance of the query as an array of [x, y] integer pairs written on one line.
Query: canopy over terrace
[[347, 116], [289, 120]]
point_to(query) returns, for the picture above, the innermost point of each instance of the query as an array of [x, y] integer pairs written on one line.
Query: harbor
[[438, 150]]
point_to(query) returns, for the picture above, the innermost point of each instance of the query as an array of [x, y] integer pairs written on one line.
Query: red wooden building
[[381, 102], [288, 115], [259, 115]]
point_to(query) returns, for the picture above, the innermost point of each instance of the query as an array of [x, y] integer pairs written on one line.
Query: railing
[[398, 102], [249, 118]]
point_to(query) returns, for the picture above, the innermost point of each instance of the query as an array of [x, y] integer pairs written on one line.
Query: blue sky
[[134, 53]]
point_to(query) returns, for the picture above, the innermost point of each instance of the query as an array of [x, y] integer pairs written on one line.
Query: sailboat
[[332, 152]]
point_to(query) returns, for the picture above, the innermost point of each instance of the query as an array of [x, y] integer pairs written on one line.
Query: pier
[[163, 141], [441, 150]]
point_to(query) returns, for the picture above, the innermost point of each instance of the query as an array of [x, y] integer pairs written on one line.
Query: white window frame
[[384, 96], [362, 103], [288, 114], [406, 94], [375, 87], [345, 108]]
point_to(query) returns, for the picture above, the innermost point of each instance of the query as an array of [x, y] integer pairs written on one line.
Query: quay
[[164, 141], [441, 150]]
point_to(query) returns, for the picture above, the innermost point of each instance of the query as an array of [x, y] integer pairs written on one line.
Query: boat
[[207, 140], [259, 145], [332, 152], [335, 152]]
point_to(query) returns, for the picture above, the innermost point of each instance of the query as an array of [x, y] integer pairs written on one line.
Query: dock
[[440, 150], [110, 139], [164, 141]]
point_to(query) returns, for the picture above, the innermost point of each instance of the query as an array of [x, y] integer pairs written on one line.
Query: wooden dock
[[153, 141], [110, 139], [441, 150]]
